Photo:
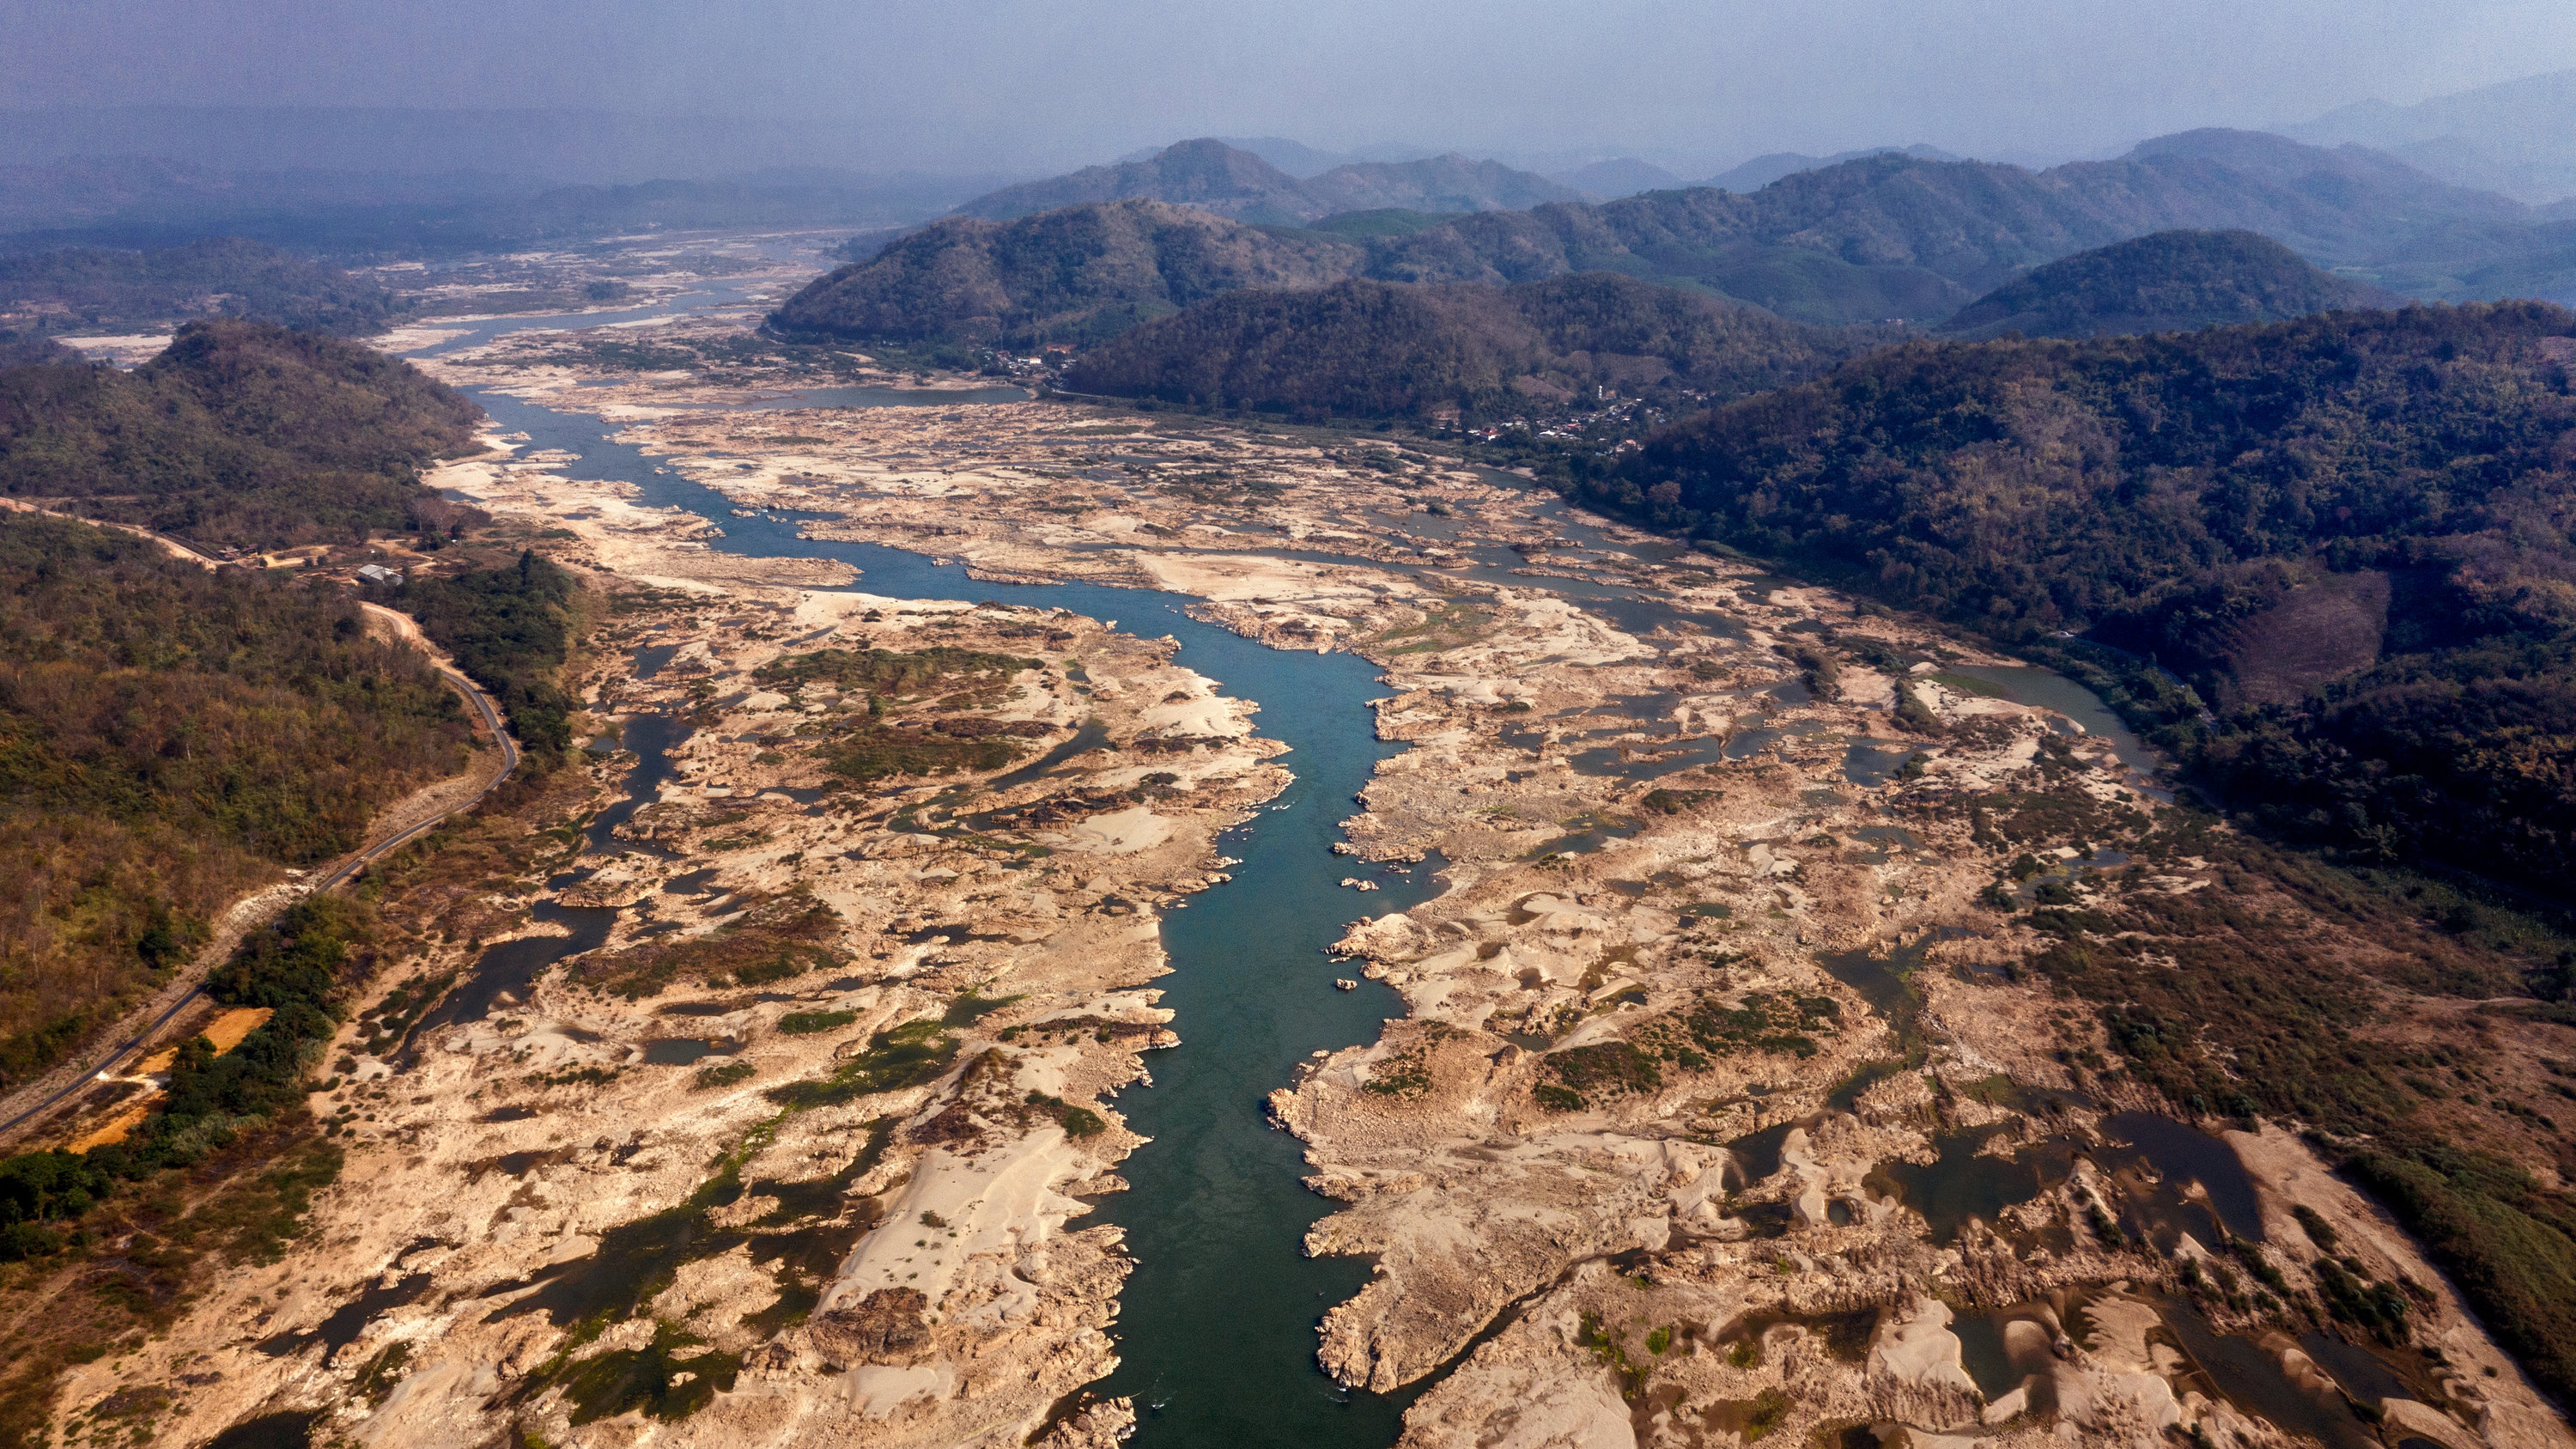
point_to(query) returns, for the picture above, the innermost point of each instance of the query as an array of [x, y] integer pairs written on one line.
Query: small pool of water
[[1982, 1353], [1757, 1155], [2179, 1153], [2047, 689], [681, 1051], [2252, 1378], [1869, 762], [1965, 1182], [650, 659]]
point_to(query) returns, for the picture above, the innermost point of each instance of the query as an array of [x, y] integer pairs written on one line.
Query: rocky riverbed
[[1727, 1105]]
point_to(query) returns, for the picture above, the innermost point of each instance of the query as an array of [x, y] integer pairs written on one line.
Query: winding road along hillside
[[401, 822]]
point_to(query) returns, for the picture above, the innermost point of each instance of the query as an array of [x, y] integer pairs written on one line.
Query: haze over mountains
[[1886, 236], [2168, 281], [1761, 171], [2518, 138], [1214, 176]]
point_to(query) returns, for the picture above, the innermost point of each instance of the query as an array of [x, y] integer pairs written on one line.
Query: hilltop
[[1213, 176], [1762, 170], [1373, 349], [1079, 274], [2169, 281], [239, 433]]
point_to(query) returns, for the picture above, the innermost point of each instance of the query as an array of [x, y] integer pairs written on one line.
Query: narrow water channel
[[1217, 1327]]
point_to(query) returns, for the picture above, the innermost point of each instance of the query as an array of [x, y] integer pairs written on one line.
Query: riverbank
[[863, 1010]]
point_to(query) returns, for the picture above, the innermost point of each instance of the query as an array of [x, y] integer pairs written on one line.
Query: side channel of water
[[1217, 1328]]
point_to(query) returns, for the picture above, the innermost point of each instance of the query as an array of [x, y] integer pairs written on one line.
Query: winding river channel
[[1217, 1327]]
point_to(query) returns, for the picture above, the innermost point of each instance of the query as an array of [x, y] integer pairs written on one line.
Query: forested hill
[[170, 737], [1371, 349], [239, 433], [1079, 274], [2171, 281], [93, 287], [1886, 236], [2350, 532]]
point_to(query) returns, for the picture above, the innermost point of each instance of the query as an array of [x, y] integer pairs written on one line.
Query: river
[[1217, 1326]]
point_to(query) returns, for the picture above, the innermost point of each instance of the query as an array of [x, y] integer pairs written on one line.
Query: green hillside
[[1373, 349], [239, 433], [2170, 281], [171, 736], [1079, 274], [2348, 531]]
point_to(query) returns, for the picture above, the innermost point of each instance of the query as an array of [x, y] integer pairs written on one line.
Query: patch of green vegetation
[[885, 673], [771, 939], [170, 738], [806, 1023], [510, 629], [1609, 1068], [381, 1373], [655, 1379], [1764, 1023], [1076, 1121], [1666, 801], [710, 1078], [970, 1008], [1763, 1413], [903, 1056], [1606, 1349]]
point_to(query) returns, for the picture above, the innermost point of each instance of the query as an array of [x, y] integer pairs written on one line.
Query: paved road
[[347, 869]]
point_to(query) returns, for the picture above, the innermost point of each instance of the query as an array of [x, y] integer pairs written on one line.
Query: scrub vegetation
[[510, 628], [240, 433], [170, 737], [2347, 534]]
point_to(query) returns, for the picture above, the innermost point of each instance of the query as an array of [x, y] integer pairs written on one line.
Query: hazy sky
[[1044, 83]]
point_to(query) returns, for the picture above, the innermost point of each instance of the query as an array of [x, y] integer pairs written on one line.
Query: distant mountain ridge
[[2167, 281], [1620, 176], [132, 201], [1761, 171], [1213, 176], [1883, 237], [2518, 138], [1892, 236]]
